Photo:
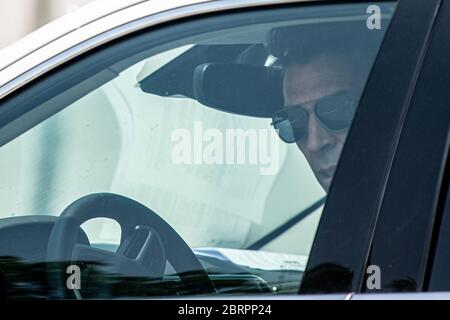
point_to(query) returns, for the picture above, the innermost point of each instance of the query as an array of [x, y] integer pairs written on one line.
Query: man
[[325, 70]]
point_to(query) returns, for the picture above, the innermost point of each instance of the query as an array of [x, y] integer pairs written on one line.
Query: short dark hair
[[351, 42]]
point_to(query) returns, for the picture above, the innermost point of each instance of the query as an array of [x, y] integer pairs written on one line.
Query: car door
[[130, 117], [374, 199], [412, 242]]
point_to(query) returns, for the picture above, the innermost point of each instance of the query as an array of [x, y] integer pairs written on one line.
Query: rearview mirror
[[240, 89]]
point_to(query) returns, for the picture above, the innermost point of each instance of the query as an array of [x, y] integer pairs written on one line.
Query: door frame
[[340, 252]]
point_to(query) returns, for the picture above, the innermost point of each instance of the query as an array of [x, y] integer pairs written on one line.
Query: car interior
[[90, 182]]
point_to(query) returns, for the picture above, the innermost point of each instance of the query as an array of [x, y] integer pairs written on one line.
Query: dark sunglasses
[[334, 112]]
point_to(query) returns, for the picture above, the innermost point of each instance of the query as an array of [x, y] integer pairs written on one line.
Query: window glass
[[230, 134]]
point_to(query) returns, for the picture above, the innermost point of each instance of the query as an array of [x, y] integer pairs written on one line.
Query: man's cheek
[[341, 136], [313, 163], [302, 148], [340, 139]]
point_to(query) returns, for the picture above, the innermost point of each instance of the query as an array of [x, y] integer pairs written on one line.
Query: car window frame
[[353, 144], [439, 218], [406, 230]]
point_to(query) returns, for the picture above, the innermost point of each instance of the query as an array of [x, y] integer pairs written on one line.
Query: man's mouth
[[327, 173]]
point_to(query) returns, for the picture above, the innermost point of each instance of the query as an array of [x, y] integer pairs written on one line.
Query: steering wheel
[[147, 241]]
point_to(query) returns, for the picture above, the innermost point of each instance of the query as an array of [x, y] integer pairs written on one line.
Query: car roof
[[60, 27], [83, 24], [40, 47]]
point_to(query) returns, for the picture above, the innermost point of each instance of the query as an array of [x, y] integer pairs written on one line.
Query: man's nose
[[317, 137]]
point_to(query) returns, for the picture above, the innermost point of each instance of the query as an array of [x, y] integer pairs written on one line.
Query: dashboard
[[24, 270]]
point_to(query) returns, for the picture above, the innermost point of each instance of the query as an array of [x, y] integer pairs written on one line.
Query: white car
[[189, 148]]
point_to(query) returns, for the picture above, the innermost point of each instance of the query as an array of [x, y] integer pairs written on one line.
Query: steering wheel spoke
[[144, 247], [147, 243]]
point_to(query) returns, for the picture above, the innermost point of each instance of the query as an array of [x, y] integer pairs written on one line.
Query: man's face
[[305, 85]]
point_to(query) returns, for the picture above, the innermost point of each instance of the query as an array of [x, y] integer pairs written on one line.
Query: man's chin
[[326, 183]]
